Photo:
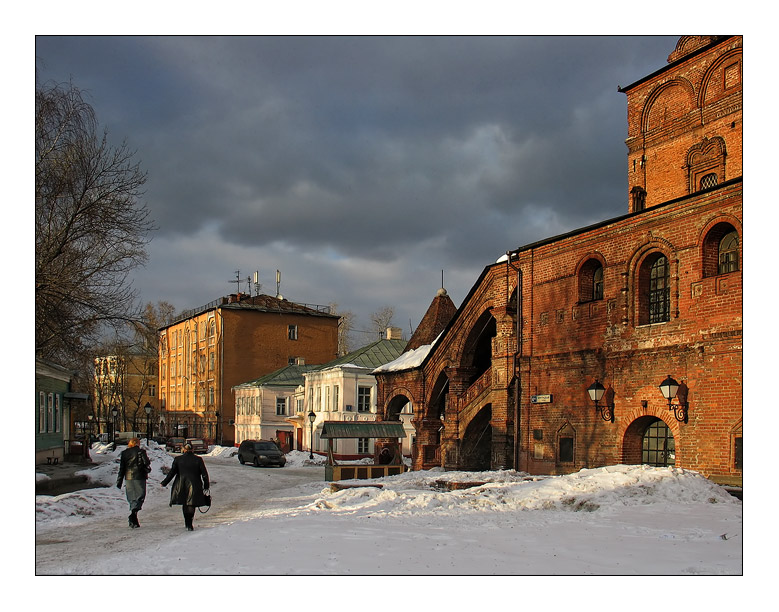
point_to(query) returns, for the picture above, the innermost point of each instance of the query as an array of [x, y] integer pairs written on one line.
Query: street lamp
[[112, 437], [217, 439], [147, 408], [596, 391], [88, 437], [311, 419], [669, 388]]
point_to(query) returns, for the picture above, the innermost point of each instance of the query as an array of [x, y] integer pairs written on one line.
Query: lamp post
[[669, 388], [217, 439], [596, 391], [112, 437], [147, 408], [311, 419], [88, 437]]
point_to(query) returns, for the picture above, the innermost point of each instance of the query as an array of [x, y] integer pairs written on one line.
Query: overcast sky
[[360, 167]]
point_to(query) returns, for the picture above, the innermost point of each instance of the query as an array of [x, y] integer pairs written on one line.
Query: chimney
[[394, 333]]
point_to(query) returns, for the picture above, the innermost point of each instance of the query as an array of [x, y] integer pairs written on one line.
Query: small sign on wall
[[541, 399]]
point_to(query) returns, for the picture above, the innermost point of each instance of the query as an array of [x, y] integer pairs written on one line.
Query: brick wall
[[681, 119]]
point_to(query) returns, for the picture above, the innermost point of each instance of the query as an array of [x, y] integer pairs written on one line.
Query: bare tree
[[91, 229], [345, 326], [382, 319]]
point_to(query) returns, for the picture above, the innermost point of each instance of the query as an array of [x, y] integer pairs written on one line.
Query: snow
[[408, 360], [616, 520]]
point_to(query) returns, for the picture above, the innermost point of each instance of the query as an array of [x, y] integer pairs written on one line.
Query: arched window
[[657, 445], [654, 290], [659, 291], [728, 253], [591, 281], [720, 252]]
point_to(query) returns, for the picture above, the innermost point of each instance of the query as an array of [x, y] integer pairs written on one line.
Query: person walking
[[191, 481], [134, 468]]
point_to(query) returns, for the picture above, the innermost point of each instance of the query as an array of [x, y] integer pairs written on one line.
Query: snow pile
[[408, 360], [221, 451], [102, 501], [298, 459], [589, 490]]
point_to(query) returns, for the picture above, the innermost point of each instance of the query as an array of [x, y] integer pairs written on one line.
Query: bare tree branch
[[91, 228]]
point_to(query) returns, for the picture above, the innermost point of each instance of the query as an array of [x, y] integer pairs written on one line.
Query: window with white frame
[[335, 396], [363, 399], [363, 445], [292, 332], [50, 413], [327, 398], [42, 413], [281, 406], [57, 412]]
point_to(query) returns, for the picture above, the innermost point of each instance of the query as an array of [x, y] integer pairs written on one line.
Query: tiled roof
[[437, 317]]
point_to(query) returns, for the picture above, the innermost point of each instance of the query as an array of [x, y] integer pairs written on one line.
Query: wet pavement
[[63, 477]]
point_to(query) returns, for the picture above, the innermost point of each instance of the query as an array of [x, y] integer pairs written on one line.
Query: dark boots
[[133, 520], [188, 517]]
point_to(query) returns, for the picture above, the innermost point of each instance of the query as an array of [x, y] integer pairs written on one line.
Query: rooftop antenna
[[441, 291], [257, 285], [278, 285], [237, 280]]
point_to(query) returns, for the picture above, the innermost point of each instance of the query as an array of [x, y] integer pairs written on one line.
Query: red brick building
[[627, 302]]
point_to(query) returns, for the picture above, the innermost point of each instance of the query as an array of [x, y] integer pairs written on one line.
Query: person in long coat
[[134, 467], [191, 476]]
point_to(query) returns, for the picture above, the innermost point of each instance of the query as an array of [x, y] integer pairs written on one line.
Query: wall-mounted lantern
[[596, 391], [669, 388]]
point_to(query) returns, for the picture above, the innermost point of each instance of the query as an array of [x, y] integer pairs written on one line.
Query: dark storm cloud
[[369, 148]]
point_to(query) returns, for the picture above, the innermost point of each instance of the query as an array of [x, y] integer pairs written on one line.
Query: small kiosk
[[387, 459]]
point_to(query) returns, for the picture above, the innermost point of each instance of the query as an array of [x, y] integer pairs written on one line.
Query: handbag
[[207, 505]]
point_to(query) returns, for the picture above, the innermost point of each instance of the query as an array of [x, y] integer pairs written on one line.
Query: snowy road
[[240, 493], [615, 520]]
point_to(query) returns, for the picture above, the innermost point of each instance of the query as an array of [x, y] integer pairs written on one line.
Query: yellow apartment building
[[209, 350]]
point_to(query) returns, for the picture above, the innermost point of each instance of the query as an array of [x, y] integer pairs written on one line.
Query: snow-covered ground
[[617, 520]]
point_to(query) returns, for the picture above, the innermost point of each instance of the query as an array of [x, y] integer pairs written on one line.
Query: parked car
[[174, 444], [198, 445], [260, 453]]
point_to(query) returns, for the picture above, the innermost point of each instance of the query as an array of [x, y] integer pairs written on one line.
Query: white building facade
[[345, 390]]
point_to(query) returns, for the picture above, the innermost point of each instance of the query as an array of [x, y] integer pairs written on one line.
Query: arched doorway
[[649, 440], [657, 445], [477, 441]]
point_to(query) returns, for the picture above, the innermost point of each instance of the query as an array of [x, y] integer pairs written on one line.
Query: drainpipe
[[517, 362]]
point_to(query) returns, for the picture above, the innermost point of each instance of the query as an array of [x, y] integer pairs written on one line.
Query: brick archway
[[631, 434], [476, 449]]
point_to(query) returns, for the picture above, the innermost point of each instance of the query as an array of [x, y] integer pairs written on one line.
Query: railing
[[481, 383]]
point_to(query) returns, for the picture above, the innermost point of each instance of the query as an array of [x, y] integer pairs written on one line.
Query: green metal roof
[[372, 355], [288, 376], [362, 429]]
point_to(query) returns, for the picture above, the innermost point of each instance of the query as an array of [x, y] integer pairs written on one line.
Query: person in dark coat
[[134, 467], [191, 480]]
